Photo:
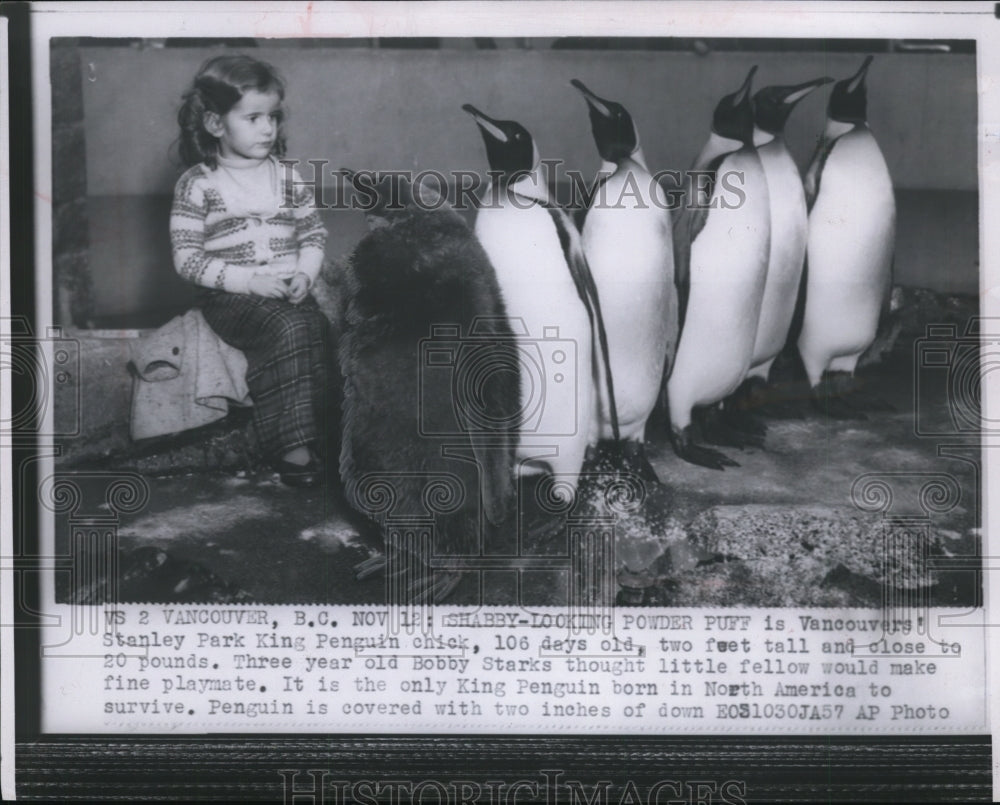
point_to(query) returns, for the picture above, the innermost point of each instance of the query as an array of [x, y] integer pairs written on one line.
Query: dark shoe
[[302, 476]]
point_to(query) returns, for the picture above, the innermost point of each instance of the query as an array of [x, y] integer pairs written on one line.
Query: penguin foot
[[411, 582], [537, 527], [538, 517], [435, 587], [727, 430], [408, 577], [686, 449], [831, 397], [637, 461], [370, 567], [739, 411], [745, 401], [627, 457]]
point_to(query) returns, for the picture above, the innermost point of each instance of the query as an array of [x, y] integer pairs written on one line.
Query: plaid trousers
[[286, 349]]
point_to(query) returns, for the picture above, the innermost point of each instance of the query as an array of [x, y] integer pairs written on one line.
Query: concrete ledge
[[92, 412]]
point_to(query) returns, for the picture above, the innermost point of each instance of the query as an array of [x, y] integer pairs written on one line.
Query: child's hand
[[266, 285], [298, 288]]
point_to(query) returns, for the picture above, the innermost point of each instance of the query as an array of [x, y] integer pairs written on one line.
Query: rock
[[916, 308], [883, 345], [795, 549], [643, 526], [911, 310], [744, 584]]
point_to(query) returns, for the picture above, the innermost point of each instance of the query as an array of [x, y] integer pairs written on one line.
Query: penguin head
[[773, 105], [612, 125], [393, 197], [385, 199], [849, 99], [509, 147], [733, 117]]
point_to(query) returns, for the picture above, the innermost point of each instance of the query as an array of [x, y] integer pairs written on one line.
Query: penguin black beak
[[797, 93], [859, 77], [595, 103], [744, 90], [472, 110], [485, 122]]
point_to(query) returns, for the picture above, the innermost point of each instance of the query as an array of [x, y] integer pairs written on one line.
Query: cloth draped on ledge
[[184, 377]]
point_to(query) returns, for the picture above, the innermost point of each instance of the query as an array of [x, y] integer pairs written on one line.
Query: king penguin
[[789, 226], [851, 239], [409, 440], [552, 303], [628, 243], [722, 241]]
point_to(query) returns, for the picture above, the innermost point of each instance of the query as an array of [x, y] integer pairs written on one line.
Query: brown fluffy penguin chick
[[431, 389]]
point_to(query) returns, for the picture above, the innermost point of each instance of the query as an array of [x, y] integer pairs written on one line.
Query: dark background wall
[[401, 109]]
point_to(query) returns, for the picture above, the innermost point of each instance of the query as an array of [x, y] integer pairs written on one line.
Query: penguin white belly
[[553, 332], [789, 226], [850, 247], [727, 271], [628, 244]]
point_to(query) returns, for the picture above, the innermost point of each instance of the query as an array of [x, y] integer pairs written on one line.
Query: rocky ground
[[829, 513]]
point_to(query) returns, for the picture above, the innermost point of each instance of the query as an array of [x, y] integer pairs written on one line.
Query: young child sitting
[[246, 231]]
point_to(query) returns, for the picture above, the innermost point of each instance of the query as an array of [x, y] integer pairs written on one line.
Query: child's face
[[250, 128]]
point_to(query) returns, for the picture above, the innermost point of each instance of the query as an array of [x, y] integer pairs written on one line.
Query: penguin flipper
[[799, 312], [682, 266], [814, 174], [688, 226], [586, 288], [580, 213]]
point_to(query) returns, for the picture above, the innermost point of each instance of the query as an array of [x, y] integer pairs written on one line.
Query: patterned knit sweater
[[237, 220]]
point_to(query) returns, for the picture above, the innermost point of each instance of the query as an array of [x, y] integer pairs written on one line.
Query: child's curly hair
[[218, 87]]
